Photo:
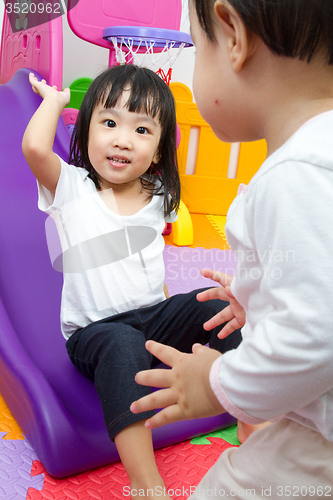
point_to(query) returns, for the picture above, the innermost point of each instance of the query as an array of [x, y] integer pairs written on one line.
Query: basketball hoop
[[154, 48]]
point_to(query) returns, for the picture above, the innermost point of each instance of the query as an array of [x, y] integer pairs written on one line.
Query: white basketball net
[[160, 62]]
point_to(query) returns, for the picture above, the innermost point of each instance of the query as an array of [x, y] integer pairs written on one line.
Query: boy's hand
[[44, 90], [233, 314], [186, 392]]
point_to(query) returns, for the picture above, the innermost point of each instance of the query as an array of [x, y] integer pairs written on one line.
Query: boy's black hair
[[290, 28], [150, 95]]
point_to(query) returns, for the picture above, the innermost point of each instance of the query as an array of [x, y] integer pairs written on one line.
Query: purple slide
[[56, 407]]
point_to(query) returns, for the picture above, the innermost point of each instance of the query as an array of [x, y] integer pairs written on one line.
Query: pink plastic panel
[[89, 17], [38, 48]]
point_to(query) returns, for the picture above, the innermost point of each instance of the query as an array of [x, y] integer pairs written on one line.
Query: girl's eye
[[142, 130], [110, 123]]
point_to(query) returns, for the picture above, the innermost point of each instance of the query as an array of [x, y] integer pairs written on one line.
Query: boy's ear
[[240, 42]]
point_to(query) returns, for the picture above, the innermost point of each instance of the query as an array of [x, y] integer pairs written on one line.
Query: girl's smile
[[119, 161]]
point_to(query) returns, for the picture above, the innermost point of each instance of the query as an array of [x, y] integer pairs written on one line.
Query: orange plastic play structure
[[210, 188]]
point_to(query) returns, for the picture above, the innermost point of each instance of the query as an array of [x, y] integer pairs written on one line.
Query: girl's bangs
[[144, 94]]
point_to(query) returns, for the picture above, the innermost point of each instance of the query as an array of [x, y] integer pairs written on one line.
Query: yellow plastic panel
[[208, 190], [251, 156]]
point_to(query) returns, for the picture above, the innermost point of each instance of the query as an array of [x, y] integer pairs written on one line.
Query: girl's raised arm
[[37, 143]]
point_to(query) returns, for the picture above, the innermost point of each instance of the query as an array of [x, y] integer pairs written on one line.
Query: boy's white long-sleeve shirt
[[280, 228]]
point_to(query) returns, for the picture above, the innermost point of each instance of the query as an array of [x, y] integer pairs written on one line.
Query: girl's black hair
[[150, 95], [290, 28]]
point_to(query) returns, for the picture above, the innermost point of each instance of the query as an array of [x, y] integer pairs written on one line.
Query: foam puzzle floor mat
[[182, 466]]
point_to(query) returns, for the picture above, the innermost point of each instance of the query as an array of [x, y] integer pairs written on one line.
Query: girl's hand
[[38, 138], [233, 314], [44, 90], [186, 392], [166, 291]]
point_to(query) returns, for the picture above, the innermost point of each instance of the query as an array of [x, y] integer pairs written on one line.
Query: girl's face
[[122, 144]]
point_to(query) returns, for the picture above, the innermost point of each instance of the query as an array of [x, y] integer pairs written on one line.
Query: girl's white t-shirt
[[111, 263]]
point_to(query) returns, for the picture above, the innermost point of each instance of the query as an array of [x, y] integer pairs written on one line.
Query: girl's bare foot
[[143, 491], [135, 447]]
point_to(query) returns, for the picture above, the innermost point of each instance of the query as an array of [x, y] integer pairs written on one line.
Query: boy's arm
[[37, 143]]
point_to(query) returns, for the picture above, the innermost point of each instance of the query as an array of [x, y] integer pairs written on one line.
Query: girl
[[110, 205], [264, 69]]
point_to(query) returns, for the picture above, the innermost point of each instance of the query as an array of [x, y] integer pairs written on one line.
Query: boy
[[264, 69]]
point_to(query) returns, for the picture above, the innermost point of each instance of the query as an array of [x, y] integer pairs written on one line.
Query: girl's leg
[[111, 353], [178, 322], [141, 468]]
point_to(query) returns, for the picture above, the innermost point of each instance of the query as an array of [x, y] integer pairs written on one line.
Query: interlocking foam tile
[[229, 435], [183, 266], [218, 222], [8, 424], [205, 234], [16, 458], [182, 466]]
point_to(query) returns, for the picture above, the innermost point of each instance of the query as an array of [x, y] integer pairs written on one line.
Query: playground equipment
[[39, 48], [57, 407], [130, 42], [86, 19]]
